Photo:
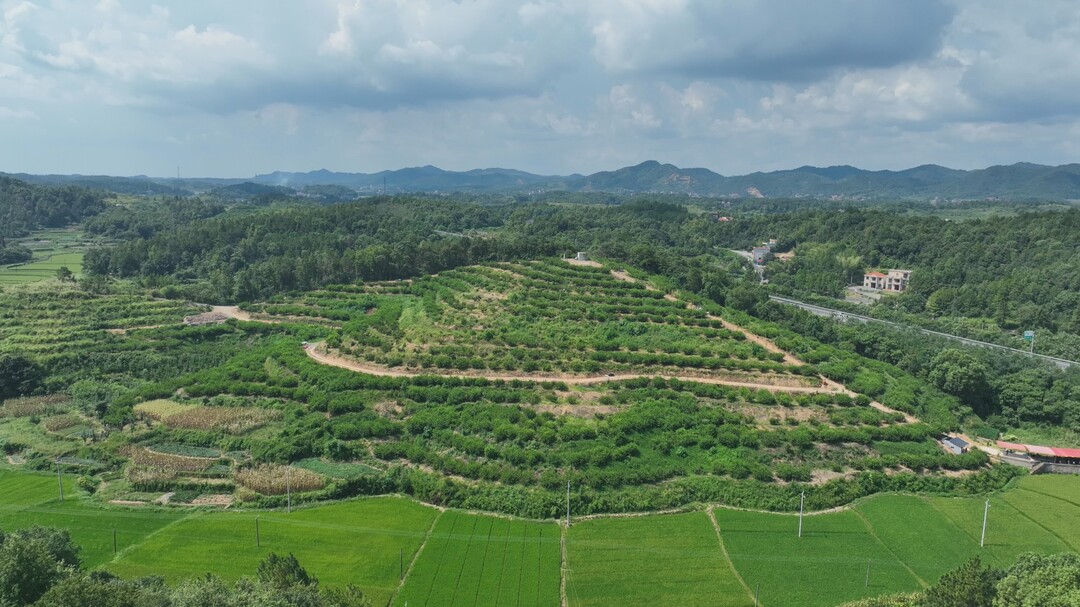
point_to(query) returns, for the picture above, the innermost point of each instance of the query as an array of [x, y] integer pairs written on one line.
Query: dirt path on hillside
[[764, 342], [317, 353]]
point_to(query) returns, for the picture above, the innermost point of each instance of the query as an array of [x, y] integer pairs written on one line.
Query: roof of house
[[875, 274], [1040, 450], [956, 442]]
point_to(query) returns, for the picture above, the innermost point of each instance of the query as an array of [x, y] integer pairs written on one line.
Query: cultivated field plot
[[1010, 531], [32, 499], [1062, 487], [827, 566], [486, 561], [53, 249], [920, 536], [356, 542], [470, 559], [650, 560], [44, 269]]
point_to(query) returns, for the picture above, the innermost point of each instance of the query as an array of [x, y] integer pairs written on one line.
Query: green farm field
[[482, 560], [355, 542], [653, 560], [53, 249], [457, 558], [43, 269]]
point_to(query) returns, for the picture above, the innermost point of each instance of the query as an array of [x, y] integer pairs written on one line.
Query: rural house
[[895, 280], [954, 445]]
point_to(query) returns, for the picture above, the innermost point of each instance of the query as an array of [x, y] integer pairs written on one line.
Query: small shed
[[956, 446], [582, 256]]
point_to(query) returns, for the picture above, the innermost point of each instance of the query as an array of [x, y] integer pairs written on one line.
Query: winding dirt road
[[318, 353]]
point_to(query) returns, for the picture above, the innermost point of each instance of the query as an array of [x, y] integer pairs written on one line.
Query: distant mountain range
[[1017, 181]]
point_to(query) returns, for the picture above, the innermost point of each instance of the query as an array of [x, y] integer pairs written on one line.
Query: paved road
[[846, 316]]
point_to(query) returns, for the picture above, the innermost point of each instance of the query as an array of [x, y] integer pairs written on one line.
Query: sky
[[236, 88]]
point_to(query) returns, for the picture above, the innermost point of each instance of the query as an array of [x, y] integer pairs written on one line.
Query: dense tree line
[[246, 257], [25, 207], [1020, 271], [1006, 390], [1034, 580], [147, 218]]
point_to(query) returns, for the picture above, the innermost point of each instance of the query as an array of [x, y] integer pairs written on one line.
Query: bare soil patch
[[588, 263], [820, 477], [215, 499], [761, 414], [581, 410]]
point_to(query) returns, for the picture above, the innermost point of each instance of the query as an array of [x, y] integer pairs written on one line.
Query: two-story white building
[[895, 280]]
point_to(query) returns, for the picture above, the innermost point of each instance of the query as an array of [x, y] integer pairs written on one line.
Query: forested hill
[[25, 207], [251, 256], [1021, 271], [1021, 181]]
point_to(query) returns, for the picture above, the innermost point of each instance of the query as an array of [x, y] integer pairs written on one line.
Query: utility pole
[[567, 504], [802, 500], [258, 542], [986, 514], [757, 592], [866, 584], [59, 479], [288, 489]]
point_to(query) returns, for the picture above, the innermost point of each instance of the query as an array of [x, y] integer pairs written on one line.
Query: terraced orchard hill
[[540, 320]]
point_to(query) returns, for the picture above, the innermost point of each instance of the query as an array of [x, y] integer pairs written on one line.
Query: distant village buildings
[[895, 280]]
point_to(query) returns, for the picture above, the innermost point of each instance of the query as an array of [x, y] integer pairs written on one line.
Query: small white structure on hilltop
[[581, 256]]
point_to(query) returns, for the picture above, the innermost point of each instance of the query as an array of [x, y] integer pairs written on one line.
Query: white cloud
[[764, 40], [7, 113], [548, 85]]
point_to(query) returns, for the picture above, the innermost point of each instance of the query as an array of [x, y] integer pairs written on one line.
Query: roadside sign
[[1029, 335]]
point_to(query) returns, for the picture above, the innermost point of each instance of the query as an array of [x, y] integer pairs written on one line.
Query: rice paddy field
[[52, 249], [403, 552], [357, 542], [655, 560], [482, 560]]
